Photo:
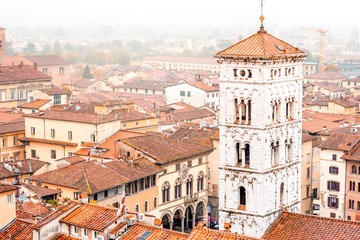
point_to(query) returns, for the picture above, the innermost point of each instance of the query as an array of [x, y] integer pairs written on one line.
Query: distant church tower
[[260, 132]]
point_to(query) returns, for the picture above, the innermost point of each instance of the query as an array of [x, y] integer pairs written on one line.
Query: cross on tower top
[[262, 29]]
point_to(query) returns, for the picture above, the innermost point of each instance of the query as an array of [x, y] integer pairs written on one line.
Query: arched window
[[282, 193], [146, 206], [243, 111], [358, 205], [178, 188], [238, 153], [247, 155], [242, 196], [276, 153], [290, 151], [155, 202], [137, 208], [249, 112], [200, 182], [236, 106], [189, 185], [166, 192], [354, 169]]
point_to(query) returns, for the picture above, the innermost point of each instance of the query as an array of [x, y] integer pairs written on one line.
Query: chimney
[[2, 46], [35, 65]]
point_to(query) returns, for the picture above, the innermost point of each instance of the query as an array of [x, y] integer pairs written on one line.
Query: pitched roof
[[41, 191], [326, 75], [7, 188], [155, 233], [34, 209], [346, 102], [36, 104], [204, 87], [20, 74], [53, 91], [146, 84], [194, 114], [298, 226], [73, 159], [20, 229], [12, 127], [329, 86], [26, 166], [6, 117], [307, 137], [200, 233], [165, 150], [341, 142], [260, 45], [54, 142], [66, 237], [199, 136], [16, 60], [44, 60], [91, 216]]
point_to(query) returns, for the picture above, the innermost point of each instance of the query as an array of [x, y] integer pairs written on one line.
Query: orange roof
[[54, 142], [205, 233], [38, 103], [155, 233], [18, 230], [91, 217], [261, 45], [118, 228], [341, 142], [66, 237], [298, 226], [204, 87]]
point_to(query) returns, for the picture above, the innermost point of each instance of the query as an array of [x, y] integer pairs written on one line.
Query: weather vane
[[262, 16]]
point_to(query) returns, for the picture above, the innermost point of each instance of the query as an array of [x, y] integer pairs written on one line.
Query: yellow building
[[348, 106], [10, 146], [183, 187], [7, 204], [17, 81], [54, 134]]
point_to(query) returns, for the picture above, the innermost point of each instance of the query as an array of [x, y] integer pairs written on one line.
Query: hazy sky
[[184, 13]]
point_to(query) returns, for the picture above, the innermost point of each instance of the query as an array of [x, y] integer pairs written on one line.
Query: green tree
[[30, 48], [69, 47], [117, 44], [87, 72], [57, 47], [46, 49]]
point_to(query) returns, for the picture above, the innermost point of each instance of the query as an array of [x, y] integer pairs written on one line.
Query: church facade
[[260, 132]]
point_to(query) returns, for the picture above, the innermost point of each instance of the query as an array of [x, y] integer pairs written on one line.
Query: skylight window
[[145, 235], [280, 48]]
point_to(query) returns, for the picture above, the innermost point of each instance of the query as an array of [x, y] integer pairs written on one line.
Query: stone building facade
[[260, 132]]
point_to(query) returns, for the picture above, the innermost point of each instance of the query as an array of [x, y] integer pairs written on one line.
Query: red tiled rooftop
[[260, 45], [200, 233], [41, 191], [6, 188], [204, 87], [20, 229], [342, 142], [45, 60], [326, 75], [38, 103], [35, 209], [19, 74], [53, 142], [296, 226], [181, 59]]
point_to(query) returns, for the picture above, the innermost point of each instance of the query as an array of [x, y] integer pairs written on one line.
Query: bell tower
[[2, 46], [260, 132]]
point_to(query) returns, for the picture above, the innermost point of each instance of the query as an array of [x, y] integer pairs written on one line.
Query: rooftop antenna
[[262, 29]]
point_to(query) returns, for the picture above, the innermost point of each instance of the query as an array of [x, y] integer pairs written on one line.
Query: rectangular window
[[134, 187], [92, 137], [3, 95], [200, 161], [44, 70], [95, 197], [308, 158], [315, 193], [141, 184], [116, 191], [137, 123], [334, 157], [153, 180], [96, 234], [333, 170], [334, 186], [177, 166], [4, 142], [106, 194], [182, 93], [9, 198], [53, 154], [52, 132], [333, 215], [333, 202], [189, 94], [146, 91], [70, 135], [33, 153], [308, 173], [147, 182], [22, 94], [127, 189], [16, 140], [57, 99], [308, 191], [153, 91], [33, 130], [189, 163], [85, 232], [13, 95]]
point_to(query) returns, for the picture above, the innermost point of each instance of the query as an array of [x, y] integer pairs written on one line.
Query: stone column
[[182, 223], [193, 220], [243, 157], [246, 113], [240, 114], [171, 225]]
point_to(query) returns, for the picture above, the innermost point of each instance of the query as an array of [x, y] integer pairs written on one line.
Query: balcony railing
[[191, 198]]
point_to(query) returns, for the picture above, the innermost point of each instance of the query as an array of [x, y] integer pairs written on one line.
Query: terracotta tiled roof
[[118, 228], [353, 130], [315, 125], [354, 154], [38, 103], [146, 84], [181, 59], [326, 75], [24, 215], [20, 74], [20, 229], [262, 45], [317, 100], [41, 191], [340, 142], [73, 159], [66, 237], [53, 91], [307, 137], [54, 142], [346, 102], [122, 114], [200, 233], [204, 87], [91, 217], [195, 135], [156, 233], [44, 60], [6, 117], [34, 209], [27, 166], [87, 177], [297, 226], [12, 127], [194, 114], [7, 188], [53, 215], [16, 60], [165, 150], [329, 86]]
